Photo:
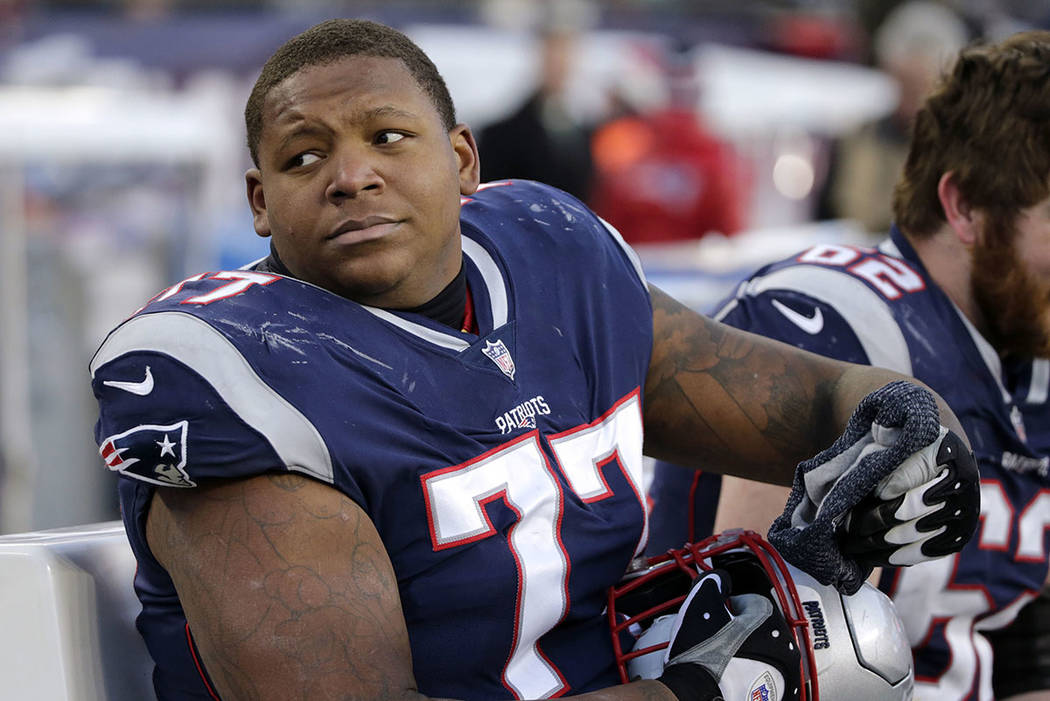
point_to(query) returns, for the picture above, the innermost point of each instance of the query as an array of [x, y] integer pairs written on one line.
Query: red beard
[[1015, 304]]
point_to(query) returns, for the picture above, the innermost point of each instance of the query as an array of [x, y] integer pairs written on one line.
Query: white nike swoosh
[[810, 324], [140, 388]]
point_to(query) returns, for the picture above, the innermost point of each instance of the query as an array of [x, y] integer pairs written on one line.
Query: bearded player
[[958, 296]]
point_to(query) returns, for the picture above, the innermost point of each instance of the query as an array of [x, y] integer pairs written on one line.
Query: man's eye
[[389, 137], [303, 159]]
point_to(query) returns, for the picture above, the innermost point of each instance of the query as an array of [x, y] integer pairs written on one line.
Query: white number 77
[[519, 474]]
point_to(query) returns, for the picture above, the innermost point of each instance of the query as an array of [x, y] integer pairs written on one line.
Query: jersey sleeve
[[821, 310], [568, 218], [636, 263], [179, 403]]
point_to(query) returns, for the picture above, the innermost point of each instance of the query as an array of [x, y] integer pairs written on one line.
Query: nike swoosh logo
[[810, 324], [140, 388]]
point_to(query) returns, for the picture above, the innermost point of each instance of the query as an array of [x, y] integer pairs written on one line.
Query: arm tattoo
[[282, 582], [722, 398]]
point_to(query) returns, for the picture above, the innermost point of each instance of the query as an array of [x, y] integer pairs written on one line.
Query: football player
[[959, 297], [402, 456]]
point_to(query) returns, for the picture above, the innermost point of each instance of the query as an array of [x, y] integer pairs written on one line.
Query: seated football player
[[959, 297], [401, 457]]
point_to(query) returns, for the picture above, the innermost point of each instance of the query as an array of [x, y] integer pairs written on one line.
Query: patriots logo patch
[[151, 453], [497, 352]]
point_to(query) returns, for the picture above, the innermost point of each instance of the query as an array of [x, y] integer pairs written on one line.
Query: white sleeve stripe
[[731, 304], [497, 288], [724, 311], [628, 250], [1038, 390], [862, 308], [196, 344]]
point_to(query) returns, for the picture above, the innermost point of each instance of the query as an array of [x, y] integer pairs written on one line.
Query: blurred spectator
[[542, 140], [12, 13], [148, 10], [661, 176], [914, 43]]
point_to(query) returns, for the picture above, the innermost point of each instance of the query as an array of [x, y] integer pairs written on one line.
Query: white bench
[[67, 617]]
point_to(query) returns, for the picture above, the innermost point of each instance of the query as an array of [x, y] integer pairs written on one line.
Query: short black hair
[[331, 41]]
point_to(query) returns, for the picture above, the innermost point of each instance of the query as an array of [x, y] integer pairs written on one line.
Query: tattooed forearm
[[725, 399]]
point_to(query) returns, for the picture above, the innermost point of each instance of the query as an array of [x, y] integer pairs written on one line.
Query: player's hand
[[926, 508], [895, 489], [730, 647]]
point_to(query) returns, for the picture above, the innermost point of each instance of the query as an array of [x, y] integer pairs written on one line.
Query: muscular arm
[[734, 402], [290, 594]]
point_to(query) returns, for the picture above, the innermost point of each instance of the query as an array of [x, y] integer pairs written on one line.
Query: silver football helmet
[[853, 647]]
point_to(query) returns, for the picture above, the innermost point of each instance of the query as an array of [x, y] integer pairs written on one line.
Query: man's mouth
[[367, 229]]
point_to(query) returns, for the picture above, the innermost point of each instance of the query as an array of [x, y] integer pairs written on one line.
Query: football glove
[[896, 488], [730, 647]]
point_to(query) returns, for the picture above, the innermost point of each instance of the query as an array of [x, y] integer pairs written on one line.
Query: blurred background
[[715, 135]]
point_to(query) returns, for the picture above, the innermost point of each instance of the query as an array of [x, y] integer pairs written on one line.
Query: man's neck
[[448, 306], [949, 263]]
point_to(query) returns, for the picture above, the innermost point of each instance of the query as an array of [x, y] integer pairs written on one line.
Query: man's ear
[[257, 201], [467, 160], [962, 217]]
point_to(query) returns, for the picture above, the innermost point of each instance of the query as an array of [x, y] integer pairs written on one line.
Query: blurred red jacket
[[662, 177]]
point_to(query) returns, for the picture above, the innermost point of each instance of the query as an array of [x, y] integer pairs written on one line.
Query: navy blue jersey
[[502, 470], [880, 307]]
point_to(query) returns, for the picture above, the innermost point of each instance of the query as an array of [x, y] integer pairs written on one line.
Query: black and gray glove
[[896, 488], [730, 647]]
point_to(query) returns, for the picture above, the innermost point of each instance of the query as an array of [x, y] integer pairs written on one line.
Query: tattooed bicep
[[721, 398], [284, 579], [287, 481]]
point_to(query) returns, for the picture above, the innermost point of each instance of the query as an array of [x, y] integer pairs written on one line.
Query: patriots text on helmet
[[816, 623]]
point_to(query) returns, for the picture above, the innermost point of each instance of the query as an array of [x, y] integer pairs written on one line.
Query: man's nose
[[352, 174]]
